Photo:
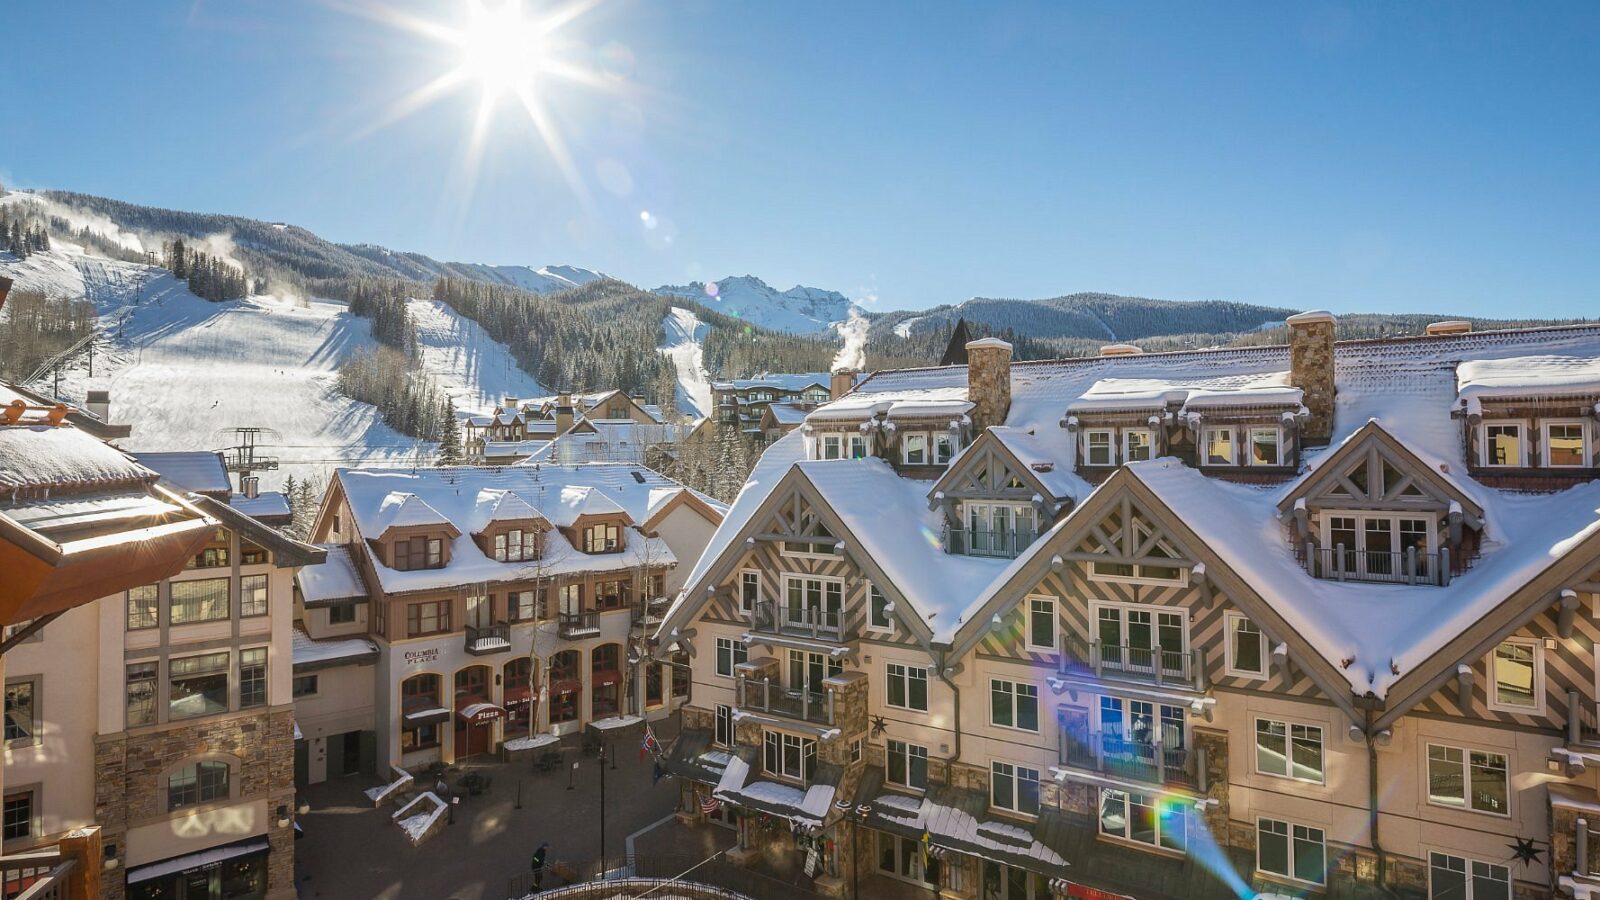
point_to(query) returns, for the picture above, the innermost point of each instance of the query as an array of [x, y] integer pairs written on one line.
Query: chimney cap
[[1309, 316], [1120, 350], [988, 343], [1451, 326]]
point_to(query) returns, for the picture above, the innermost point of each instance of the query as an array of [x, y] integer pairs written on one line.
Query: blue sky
[[1381, 157]]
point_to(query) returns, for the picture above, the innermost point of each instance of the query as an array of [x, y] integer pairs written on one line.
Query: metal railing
[[673, 875], [805, 621], [37, 875], [984, 542], [1403, 567], [768, 696], [481, 640], [578, 625], [1125, 661], [1151, 762]]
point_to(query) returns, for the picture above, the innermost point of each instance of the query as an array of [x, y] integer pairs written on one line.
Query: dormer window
[[1219, 447], [418, 553], [1566, 444], [995, 529], [606, 538], [516, 545], [1138, 444], [1266, 447], [1502, 444], [859, 447], [1098, 448], [944, 447], [1378, 546], [830, 446], [914, 450]]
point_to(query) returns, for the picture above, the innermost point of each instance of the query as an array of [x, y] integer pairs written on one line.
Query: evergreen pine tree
[[450, 436]]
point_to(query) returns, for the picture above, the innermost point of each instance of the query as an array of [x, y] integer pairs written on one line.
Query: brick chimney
[[563, 412], [841, 383], [988, 382], [1311, 370]]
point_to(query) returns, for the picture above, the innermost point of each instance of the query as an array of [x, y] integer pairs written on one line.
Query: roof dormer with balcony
[[1003, 491]]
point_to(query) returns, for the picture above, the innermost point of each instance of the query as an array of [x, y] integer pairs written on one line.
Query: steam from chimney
[[852, 357]]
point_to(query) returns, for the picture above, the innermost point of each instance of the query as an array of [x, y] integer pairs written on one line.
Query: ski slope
[[684, 346], [472, 368]]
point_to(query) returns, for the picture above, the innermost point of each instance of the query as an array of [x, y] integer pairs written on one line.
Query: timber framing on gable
[[1395, 479], [983, 471]]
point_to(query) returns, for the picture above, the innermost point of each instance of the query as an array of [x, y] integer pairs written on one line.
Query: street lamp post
[[603, 871]]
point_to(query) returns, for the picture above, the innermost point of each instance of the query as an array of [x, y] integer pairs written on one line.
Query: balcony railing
[[37, 875], [487, 639], [984, 542], [800, 621], [1150, 762], [1127, 662], [1404, 567], [773, 698], [579, 625]]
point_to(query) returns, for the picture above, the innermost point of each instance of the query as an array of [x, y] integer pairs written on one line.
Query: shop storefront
[[236, 871]]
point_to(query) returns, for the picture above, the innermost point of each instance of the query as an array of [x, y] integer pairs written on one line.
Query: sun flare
[[502, 49]]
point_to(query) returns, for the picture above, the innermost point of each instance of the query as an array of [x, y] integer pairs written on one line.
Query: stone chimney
[[1311, 370], [842, 382], [564, 414], [97, 403], [988, 382]]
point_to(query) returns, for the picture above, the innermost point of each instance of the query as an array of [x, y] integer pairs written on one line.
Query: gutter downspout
[[1372, 805], [955, 694]]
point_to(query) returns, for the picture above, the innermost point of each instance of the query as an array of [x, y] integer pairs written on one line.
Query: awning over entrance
[[427, 716], [803, 806], [177, 865], [479, 713]]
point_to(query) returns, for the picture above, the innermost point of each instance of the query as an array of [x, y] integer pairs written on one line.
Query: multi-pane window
[[1566, 444], [205, 600], [1247, 648], [724, 733], [1289, 750], [1143, 572], [342, 614], [1138, 444], [749, 591], [877, 609], [602, 538], [611, 594], [21, 712], [817, 601], [252, 677], [807, 670], [903, 858], [1144, 818], [914, 449], [197, 783], [944, 447], [522, 606], [252, 596], [141, 693], [1137, 639], [1455, 878], [516, 545], [214, 556], [304, 686], [1142, 722], [1502, 444], [1041, 623], [198, 685], [418, 553], [830, 446], [1517, 666], [1014, 787], [1219, 447], [1013, 704], [1265, 448], [143, 608], [1099, 448], [430, 617], [907, 765], [1469, 779], [858, 446], [730, 653], [908, 687], [17, 820], [789, 755], [1291, 851]]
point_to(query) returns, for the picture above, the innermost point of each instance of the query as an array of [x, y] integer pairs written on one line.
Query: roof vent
[[1454, 326], [1119, 350], [1043, 466], [638, 476]]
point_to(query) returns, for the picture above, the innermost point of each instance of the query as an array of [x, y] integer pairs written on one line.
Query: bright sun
[[501, 48]]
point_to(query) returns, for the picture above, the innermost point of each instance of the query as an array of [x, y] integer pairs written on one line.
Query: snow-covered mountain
[[542, 280], [799, 310]]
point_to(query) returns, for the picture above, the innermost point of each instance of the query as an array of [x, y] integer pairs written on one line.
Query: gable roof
[[200, 471], [1371, 438]]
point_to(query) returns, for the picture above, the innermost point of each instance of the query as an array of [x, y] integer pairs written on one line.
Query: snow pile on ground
[[799, 310], [685, 347], [472, 368], [420, 818]]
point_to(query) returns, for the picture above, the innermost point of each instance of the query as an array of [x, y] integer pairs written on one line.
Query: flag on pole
[[710, 805], [926, 850], [650, 744]]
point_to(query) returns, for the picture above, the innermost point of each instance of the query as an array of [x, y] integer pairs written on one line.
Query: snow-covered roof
[[331, 581], [500, 506], [788, 413], [264, 505], [1529, 376], [520, 449], [932, 401], [559, 493], [61, 456], [401, 509], [314, 653], [794, 382], [1256, 389], [200, 471], [1047, 457]]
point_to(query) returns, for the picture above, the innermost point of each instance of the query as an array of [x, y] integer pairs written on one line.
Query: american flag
[[710, 805]]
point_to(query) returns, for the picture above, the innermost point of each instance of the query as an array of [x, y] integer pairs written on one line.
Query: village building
[[1303, 620], [609, 426], [742, 401], [471, 610]]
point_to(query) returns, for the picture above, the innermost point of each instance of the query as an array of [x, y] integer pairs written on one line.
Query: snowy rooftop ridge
[[1529, 376]]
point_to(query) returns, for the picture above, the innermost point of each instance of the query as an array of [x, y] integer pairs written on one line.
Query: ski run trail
[[685, 347]]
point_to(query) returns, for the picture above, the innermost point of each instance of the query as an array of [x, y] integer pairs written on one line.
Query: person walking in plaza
[[538, 866]]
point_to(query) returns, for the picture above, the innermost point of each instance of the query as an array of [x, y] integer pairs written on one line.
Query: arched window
[[605, 675], [472, 685], [566, 686], [519, 691], [420, 712]]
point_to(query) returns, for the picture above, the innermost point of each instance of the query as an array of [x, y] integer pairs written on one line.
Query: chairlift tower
[[244, 457]]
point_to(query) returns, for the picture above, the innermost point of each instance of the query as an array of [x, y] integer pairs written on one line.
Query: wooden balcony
[[37, 875], [1125, 662], [489, 639], [1149, 762], [770, 697], [1405, 567], [577, 626]]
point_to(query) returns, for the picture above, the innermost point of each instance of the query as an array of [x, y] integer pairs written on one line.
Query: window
[[877, 609], [1098, 448], [807, 671], [1142, 573], [944, 447], [830, 446], [205, 600], [1135, 639], [143, 611], [1014, 787], [998, 529], [907, 765], [198, 685], [724, 734], [1003, 882], [818, 601], [1266, 447], [1289, 750], [214, 556], [18, 816], [611, 594], [1041, 624], [1247, 648], [418, 553], [1455, 878], [1144, 818], [1566, 444], [1013, 704], [1502, 444], [427, 618], [252, 596], [903, 858], [1138, 444], [803, 547], [22, 713], [197, 783], [602, 539], [516, 545], [343, 614], [419, 694], [305, 686], [1468, 779], [141, 693], [730, 652], [908, 687], [749, 591], [1291, 851], [789, 755], [1219, 450], [1142, 723], [859, 446], [251, 555], [1517, 674], [522, 606], [914, 449], [252, 677]]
